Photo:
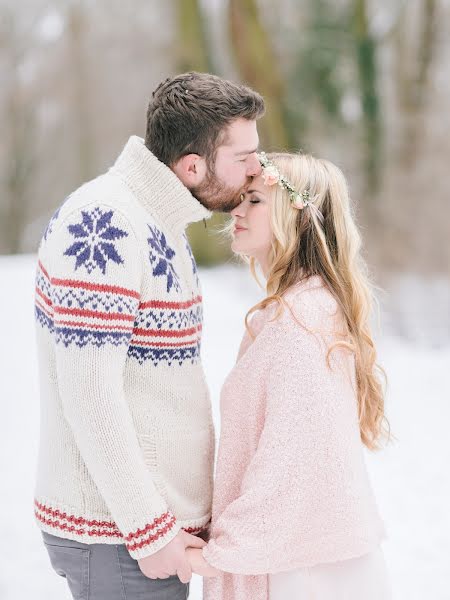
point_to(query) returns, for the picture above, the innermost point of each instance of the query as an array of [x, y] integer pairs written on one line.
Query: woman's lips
[[238, 229]]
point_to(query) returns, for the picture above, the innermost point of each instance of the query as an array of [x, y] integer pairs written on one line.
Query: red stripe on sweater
[[76, 324], [168, 332], [157, 521], [100, 533], [71, 528], [80, 521], [95, 287], [44, 272], [44, 309], [44, 297], [81, 312], [162, 344], [154, 537], [72, 519], [176, 305], [194, 530]]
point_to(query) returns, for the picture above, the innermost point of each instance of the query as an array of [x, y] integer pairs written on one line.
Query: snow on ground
[[411, 477]]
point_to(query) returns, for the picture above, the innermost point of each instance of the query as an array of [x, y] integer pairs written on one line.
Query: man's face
[[235, 166]]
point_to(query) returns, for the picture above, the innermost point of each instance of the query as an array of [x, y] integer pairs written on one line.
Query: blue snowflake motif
[[94, 240], [54, 218], [51, 223], [161, 255], [191, 254]]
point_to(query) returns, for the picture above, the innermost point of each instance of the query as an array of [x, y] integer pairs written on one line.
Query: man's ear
[[190, 169]]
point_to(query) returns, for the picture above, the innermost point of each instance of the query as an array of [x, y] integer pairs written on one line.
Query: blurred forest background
[[364, 83]]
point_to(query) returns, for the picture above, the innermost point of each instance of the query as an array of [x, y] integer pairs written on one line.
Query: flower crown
[[271, 175]]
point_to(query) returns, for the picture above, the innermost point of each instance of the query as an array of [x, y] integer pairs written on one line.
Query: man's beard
[[215, 195]]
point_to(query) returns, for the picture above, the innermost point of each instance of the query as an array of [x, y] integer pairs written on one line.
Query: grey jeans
[[107, 572]]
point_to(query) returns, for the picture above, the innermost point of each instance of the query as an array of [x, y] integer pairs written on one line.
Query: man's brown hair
[[189, 113]]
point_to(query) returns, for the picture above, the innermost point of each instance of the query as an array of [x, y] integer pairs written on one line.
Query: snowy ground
[[411, 478]]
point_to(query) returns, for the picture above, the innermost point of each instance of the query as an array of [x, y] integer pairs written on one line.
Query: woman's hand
[[199, 564]]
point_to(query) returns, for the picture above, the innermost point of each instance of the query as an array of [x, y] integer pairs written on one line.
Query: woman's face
[[252, 233]]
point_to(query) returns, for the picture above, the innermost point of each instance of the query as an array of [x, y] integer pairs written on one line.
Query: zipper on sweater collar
[[157, 187]]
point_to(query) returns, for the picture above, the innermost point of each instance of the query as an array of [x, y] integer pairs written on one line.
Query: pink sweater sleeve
[[294, 504]]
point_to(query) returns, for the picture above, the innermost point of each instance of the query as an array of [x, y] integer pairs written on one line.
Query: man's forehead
[[243, 135], [246, 152]]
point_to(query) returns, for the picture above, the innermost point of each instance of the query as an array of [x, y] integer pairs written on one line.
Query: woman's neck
[[264, 265]]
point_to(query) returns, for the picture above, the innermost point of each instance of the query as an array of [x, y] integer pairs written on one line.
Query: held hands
[[199, 564], [172, 559]]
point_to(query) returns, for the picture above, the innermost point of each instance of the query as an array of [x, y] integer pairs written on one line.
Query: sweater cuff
[[152, 537], [235, 559], [218, 559]]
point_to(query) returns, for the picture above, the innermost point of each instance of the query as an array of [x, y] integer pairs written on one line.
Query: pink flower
[[298, 203], [270, 175]]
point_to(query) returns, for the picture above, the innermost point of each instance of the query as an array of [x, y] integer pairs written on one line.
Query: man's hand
[[172, 559], [199, 564]]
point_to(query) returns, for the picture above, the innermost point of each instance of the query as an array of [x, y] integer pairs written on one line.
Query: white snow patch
[[411, 477]]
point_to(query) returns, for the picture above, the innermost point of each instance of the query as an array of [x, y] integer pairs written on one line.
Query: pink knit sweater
[[291, 486]]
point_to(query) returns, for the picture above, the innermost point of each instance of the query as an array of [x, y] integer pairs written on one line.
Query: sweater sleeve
[[95, 270], [290, 493]]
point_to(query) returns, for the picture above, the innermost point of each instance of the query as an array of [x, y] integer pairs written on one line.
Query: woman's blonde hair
[[303, 246]]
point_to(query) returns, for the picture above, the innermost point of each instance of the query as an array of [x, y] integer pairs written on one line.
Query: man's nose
[[254, 167]]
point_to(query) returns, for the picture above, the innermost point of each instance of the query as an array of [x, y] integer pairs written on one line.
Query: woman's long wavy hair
[[302, 246]]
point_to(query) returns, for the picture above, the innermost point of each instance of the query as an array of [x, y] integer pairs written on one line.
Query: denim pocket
[[73, 564]]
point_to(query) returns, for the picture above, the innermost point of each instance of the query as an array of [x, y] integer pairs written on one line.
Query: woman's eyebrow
[[252, 191]]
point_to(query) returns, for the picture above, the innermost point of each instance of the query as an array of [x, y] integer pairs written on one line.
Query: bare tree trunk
[[192, 52], [18, 138], [368, 83], [412, 71], [20, 163], [80, 90], [193, 55], [258, 67]]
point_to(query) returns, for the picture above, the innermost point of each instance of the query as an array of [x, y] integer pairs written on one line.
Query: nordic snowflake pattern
[[191, 255], [51, 223], [161, 255], [54, 218], [94, 243]]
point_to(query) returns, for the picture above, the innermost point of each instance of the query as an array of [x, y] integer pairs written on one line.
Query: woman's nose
[[239, 210]]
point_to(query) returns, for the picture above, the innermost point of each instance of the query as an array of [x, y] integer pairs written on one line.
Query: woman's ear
[[190, 170]]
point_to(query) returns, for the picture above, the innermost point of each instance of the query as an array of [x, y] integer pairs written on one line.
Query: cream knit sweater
[[127, 442], [291, 486]]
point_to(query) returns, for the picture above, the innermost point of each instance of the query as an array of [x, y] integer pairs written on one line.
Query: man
[[127, 441]]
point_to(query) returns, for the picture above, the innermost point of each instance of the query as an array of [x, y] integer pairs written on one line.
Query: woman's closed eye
[[254, 200]]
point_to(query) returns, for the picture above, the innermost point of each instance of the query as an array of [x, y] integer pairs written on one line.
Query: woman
[[294, 516]]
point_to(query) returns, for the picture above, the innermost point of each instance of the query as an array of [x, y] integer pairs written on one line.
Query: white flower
[[270, 175], [298, 202]]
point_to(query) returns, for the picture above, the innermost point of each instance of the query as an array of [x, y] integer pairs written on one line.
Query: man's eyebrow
[[246, 152]]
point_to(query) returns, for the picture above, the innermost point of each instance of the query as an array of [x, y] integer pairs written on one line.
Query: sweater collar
[[157, 187]]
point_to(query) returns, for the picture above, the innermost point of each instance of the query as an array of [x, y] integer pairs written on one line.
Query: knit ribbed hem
[[153, 537], [139, 543]]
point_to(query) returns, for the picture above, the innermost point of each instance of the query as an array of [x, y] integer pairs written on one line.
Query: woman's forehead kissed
[[257, 187]]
